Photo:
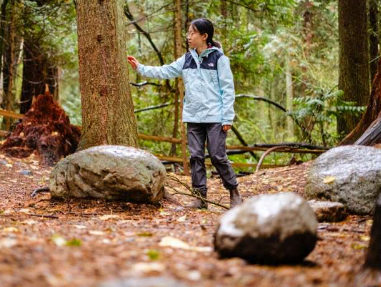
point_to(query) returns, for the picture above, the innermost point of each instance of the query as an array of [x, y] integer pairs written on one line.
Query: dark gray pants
[[198, 133]]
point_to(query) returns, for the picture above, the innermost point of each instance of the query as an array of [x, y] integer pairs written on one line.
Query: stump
[[45, 130]]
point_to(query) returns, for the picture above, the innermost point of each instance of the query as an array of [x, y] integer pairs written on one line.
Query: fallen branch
[[193, 192], [43, 215]]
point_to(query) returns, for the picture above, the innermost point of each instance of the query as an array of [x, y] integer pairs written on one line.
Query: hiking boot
[[198, 202], [235, 198]]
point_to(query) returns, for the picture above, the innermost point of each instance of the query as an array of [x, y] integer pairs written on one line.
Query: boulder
[[327, 211], [347, 174], [109, 172], [268, 229]]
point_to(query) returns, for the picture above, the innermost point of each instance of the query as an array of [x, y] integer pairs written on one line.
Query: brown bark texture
[[107, 106], [353, 59]]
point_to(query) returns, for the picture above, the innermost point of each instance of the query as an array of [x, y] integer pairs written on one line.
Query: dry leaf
[[80, 226], [108, 216], [173, 242], [148, 267], [329, 179], [96, 232], [58, 240], [182, 218], [10, 229], [7, 242]]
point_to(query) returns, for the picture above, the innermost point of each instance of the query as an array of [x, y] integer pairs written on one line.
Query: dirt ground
[[46, 242]]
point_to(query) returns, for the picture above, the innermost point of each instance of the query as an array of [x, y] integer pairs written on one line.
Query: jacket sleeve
[[225, 78], [172, 70]]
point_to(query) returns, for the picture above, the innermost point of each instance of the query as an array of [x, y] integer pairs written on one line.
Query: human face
[[195, 39]]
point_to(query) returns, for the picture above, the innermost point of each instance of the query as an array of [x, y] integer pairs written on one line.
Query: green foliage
[[318, 114]]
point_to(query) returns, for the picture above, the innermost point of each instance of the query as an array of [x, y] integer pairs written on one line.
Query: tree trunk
[[177, 54], [373, 258], [354, 59], [3, 25], [180, 88], [37, 72], [289, 98], [373, 37], [9, 65], [372, 112], [224, 15], [107, 107]]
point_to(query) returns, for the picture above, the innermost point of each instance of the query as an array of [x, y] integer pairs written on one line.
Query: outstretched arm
[[225, 77], [172, 70]]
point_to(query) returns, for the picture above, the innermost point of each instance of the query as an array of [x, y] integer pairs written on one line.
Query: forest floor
[[46, 242]]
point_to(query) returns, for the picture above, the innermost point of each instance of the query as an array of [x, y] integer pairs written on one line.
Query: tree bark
[[3, 25], [353, 59], [107, 107], [289, 98], [372, 112], [373, 37], [177, 54], [9, 65]]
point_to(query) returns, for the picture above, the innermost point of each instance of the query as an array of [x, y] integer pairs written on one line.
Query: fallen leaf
[[24, 210], [153, 254], [74, 242], [144, 234], [145, 267], [365, 238], [96, 232], [173, 242], [329, 179], [80, 226], [7, 242], [162, 212], [108, 216], [357, 246], [182, 218], [10, 229], [58, 240], [29, 222]]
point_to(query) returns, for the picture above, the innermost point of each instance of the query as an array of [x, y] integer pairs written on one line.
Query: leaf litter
[[45, 242]]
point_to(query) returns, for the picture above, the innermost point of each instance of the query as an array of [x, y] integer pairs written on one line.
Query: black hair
[[205, 26]]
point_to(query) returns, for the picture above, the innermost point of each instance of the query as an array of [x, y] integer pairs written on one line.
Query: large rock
[[110, 172], [268, 229], [327, 211], [348, 174]]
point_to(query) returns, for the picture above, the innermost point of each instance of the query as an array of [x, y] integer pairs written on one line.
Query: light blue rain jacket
[[209, 87]]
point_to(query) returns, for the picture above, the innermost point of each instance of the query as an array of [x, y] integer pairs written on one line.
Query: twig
[[43, 215], [197, 196], [193, 192]]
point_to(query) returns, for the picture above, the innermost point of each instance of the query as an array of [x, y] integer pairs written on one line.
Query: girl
[[208, 105]]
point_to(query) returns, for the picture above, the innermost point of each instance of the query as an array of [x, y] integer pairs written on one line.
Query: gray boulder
[[110, 172], [327, 211], [268, 229], [348, 174]]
